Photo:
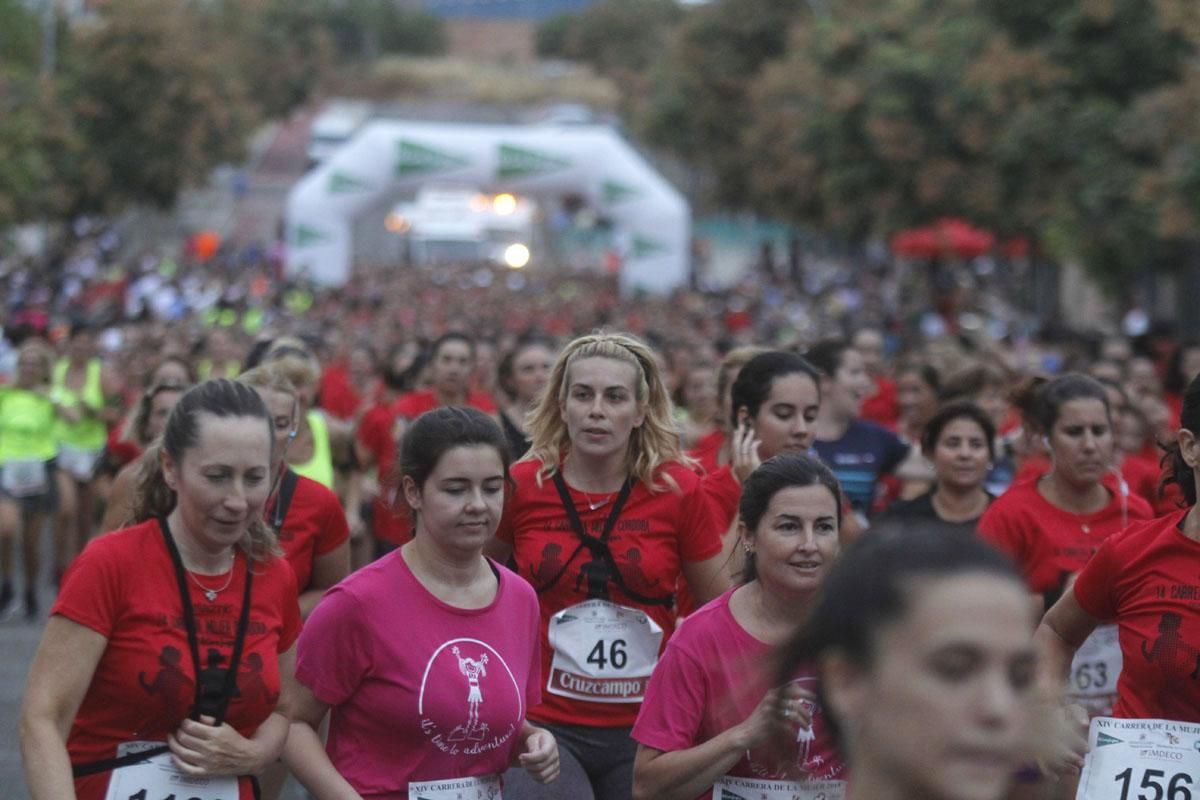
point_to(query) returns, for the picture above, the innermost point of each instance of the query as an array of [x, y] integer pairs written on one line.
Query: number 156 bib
[[603, 652], [1141, 759]]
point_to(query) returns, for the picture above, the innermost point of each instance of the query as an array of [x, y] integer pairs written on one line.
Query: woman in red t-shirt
[[603, 520], [307, 517], [170, 644], [1145, 580]]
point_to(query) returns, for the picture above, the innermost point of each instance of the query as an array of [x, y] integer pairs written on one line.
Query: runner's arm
[[1062, 631], [328, 569], [305, 755], [59, 678], [707, 579]]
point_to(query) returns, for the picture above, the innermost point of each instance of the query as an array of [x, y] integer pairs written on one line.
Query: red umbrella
[[946, 237]]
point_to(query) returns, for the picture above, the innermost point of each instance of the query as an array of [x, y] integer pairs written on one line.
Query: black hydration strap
[[599, 546], [287, 488], [230, 685]]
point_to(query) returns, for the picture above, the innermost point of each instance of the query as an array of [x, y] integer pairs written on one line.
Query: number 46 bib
[[1141, 759], [603, 652]]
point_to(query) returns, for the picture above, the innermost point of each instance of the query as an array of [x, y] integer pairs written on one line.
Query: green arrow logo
[[306, 235], [418, 159], [1104, 739], [341, 183], [519, 162], [644, 247], [615, 192]]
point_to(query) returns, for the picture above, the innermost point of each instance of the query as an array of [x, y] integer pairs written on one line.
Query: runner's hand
[[540, 758], [202, 748], [1060, 739], [764, 721], [744, 452], [795, 707]]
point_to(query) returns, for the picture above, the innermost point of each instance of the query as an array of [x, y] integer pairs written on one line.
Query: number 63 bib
[[603, 652], [157, 779], [1141, 759], [1094, 671]]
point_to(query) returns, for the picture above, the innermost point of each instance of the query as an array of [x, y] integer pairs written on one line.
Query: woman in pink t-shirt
[[428, 658], [711, 717]]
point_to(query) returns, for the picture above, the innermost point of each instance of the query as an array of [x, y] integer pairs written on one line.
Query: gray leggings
[[597, 764]]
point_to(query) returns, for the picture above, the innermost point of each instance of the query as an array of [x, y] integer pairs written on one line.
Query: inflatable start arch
[[388, 157]]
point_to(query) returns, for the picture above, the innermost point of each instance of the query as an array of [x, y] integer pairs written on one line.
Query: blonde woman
[[605, 519]]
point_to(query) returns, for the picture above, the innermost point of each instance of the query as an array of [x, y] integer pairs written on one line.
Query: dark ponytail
[[1175, 469]]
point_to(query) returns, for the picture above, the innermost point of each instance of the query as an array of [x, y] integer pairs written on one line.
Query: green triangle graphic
[[306, 235], [615, 192], [520, 162], [644, 247], [418, 159], [728, 795], [1104, 739], [340, 183]]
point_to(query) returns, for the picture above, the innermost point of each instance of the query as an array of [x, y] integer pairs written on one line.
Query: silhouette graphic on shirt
[[634, 575], [473, 669], [1169, 649], [172, 687], [551, 564], [252, 685], [597, 575]]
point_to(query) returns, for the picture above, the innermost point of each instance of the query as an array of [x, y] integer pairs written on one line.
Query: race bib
[[485, 788], [1141, 759], [79, 464], [157, 779], [24, 478], [602, 652], [1094, 671], [730, 788]]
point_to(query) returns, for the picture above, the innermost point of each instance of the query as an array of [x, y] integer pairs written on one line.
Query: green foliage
[[614, 36]]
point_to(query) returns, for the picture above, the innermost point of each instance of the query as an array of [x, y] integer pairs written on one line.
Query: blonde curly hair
[[651, 445]]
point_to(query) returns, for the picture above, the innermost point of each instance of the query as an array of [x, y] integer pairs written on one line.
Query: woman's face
[[943, 709], [786, 422], [531, 372], [1081, 442], [459, 505], [849, 385], [960, 455], [222, 480], [796, 541], [170, 371], [916, 398], [160, 409], [282, 408], [700, 392], [601, 409]]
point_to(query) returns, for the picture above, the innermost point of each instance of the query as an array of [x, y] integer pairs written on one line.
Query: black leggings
[[597, 764]]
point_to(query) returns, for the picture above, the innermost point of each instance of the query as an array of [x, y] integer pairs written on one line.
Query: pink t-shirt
[[420, 690], [710, 678]]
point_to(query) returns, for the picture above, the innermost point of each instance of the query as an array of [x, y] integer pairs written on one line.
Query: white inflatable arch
[[388, 157]]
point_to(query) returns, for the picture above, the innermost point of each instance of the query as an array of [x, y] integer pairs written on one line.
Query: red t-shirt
[[414, 404], [1047, 542], [882, 407], [377, 434], [707, 450], [1147, 579], [1142, 476], [123, 586], [654, 535], [121, 451], [335, 393], [314, 525]]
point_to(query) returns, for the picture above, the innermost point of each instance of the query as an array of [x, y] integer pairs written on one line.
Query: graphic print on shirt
[[171, 686], [467, 674], [551, 564], [251, 683], [809, 764]]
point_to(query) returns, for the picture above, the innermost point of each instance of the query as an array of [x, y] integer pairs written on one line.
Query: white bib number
[[80, 464], [24, 478], [1095, 669], [485, 788], [157, 779], [1141, 759], [603, 652], [731, 788]]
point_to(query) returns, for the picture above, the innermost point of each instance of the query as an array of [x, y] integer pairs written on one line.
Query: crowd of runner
[[435, 535]]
